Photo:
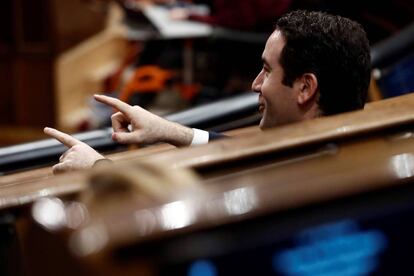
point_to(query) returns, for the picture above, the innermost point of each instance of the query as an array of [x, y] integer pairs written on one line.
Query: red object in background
[[189, 91], [246, 15]]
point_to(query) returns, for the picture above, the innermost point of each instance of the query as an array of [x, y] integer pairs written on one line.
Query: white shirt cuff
[[200, 137]]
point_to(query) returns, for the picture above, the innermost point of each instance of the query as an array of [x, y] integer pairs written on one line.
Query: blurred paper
[[170, 28]]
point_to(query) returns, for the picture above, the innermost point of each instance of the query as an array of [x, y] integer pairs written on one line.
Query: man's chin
[[262, 124], [266, 124]]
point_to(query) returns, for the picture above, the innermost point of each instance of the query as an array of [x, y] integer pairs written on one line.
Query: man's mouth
[[261, 104], [261, 108]]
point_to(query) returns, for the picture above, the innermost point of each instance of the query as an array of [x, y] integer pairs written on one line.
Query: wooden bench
[[349, 181], [231, 155], [228, 159]]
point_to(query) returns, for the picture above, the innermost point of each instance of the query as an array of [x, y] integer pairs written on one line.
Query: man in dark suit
[[314, 64]]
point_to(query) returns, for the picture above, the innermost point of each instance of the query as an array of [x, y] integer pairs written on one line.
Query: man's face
[[278, 102]]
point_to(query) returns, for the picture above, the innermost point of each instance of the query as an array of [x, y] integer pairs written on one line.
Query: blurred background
[[164, 55]]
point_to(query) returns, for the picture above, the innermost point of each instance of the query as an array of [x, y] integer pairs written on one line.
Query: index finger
[[115, 103], [62, 137]]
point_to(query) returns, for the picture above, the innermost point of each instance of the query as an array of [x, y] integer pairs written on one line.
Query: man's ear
[[308, 88]]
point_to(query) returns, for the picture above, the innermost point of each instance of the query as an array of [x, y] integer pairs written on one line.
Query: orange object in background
[[153, 79], [146, 79]]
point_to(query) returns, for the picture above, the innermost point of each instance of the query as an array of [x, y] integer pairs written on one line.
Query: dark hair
[[335, 49]]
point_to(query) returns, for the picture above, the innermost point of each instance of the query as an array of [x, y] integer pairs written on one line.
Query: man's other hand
[[146, 128], [78, 156]]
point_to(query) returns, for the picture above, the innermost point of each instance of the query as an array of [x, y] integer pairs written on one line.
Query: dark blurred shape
[[397, 79], [380, 18], [393, 48], [393, 60], [246, 15]]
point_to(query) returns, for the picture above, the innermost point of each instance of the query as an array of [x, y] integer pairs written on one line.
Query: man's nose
[[257, 83]]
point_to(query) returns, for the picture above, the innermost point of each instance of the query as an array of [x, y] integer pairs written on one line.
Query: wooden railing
[[230, 155], [147, 233], [281, 169]]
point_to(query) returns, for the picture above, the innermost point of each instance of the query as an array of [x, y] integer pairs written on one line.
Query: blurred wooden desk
[[232, 156]]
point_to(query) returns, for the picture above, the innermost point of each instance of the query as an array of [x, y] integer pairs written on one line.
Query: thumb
[[125, 137]]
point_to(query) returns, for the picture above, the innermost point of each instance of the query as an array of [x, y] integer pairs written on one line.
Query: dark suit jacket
[[215, 135]]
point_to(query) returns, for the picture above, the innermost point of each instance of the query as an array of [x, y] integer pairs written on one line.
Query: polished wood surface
[[310, 162], [39, 175], [387, 114], [377, 116], [339, 170]]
